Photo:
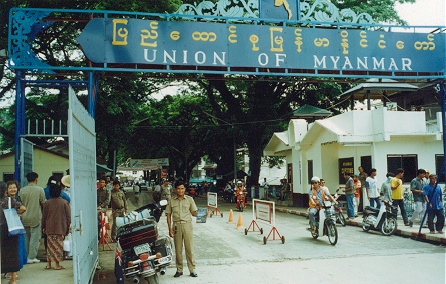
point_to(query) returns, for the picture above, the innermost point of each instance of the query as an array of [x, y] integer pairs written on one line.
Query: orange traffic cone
[[240, 222], [231, 217]]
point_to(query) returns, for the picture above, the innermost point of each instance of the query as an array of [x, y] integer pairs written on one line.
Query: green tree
[[175, 127]]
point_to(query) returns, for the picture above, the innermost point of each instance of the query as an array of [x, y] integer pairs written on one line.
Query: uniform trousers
[[184, 234]]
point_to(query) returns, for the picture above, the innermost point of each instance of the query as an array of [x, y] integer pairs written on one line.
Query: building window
[[366, 163], [438, 164], [8, 176], [310, 170], [345, 165], [134, 172], [409, 163]]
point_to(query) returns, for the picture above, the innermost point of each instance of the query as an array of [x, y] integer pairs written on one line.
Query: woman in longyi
[[56, 222]]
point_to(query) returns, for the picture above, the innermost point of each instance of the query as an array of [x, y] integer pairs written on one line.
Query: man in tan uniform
[[180, 210]]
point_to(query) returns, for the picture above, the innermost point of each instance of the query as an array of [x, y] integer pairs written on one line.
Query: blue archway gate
[[262, 38]]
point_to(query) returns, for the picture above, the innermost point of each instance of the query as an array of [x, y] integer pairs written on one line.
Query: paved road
[[226, 255]]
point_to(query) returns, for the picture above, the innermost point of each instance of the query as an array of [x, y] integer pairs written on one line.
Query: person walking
[[349, 195], [56, 222], [33, 198], [180, 210], [166, 190], [10, 262], [435, 208], [12, 191], [416, 186], [118, 205], [372, 189], [396, 184]]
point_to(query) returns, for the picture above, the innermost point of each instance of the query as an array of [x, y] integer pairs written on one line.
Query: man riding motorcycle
[[240, 193], [317, 194]]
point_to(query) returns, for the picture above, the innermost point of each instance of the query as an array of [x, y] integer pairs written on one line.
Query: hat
[[315, 179], [66, 180], [239, 182]]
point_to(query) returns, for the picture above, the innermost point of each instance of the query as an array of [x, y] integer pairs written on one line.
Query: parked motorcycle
[[382, 219], [143, 254], [325, 217], [241, 201], [337, 212]]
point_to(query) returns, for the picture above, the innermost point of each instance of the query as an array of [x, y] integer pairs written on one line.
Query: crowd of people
[[427, 195], [43, 213]]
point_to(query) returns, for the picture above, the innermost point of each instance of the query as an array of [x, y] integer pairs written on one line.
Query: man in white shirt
[[372, 189]]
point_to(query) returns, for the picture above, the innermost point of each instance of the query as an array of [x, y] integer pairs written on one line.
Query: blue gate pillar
[[443, 118], [20, 123]]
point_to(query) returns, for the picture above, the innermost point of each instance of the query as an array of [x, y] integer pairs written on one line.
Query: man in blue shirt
[[434, 200]]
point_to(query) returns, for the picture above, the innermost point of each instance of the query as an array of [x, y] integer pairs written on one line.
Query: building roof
[[377, 88], [278, 143], [311, 111]]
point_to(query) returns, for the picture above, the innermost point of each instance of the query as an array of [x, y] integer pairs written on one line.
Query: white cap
[[239, 182], [315, 179]]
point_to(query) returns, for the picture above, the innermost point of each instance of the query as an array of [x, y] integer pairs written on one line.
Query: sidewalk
[[402, 230]]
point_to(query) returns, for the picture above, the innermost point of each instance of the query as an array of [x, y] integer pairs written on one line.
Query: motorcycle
[[337, 212], [382, 219], [325, 217], [143, 253], [241, 201]]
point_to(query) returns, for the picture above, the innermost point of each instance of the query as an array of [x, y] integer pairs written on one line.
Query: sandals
[[48, 267], [59, 268]]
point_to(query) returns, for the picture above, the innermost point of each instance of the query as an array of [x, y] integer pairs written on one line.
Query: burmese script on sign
[[260, 46]]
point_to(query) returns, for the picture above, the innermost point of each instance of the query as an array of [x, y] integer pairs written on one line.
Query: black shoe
[[178, 274], [193, 274]]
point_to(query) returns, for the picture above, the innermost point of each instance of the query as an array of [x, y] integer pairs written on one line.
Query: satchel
[[15, 226]]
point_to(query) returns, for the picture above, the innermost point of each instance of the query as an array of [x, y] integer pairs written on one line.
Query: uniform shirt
[[181, 209], [103, 197], [118, 201], [33, 198], [166, 190], [418, 185], [362, 177], [397, 194]]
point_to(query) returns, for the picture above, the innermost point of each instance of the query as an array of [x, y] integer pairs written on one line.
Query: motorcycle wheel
[[332, 233], [365, 227], [388, 226], [241, 207], [341, 219], [153, 279]]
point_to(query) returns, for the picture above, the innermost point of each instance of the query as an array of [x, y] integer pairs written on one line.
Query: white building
[[379, 138]]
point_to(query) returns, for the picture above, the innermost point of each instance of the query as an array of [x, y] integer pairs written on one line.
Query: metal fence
[[409, 204]]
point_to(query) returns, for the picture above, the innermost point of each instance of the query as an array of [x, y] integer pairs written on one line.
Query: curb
[[412, 235]]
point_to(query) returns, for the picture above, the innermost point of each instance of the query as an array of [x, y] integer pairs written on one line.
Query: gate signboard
[[148, 164], [260, 46]]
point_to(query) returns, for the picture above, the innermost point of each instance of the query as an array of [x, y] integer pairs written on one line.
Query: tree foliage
[[246, 109]]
